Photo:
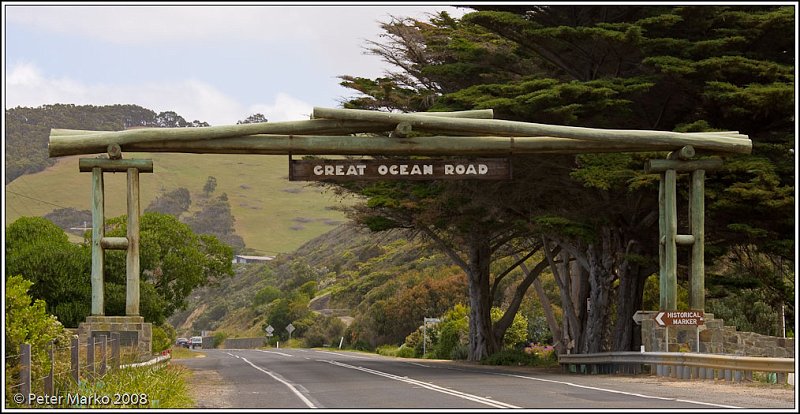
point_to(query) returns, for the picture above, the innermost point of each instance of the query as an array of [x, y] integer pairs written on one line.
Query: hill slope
[[272, 214]]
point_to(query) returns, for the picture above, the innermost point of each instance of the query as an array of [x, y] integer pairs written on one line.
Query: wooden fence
[[75, 362]]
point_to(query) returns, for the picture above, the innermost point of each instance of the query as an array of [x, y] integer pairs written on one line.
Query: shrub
[[386, 350], [459, 351], [217, 339], [163, 337], [28, 322], [405, 352]]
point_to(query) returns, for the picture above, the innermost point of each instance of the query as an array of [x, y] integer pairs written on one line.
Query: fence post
[[103, 340], [74, 359], [115, 350], [90, 357], [48, 380], [25, 371]]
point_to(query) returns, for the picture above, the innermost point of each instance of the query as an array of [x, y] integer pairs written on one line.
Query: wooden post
[[25, 371], [696, 217], [103, 342], [670, 249], [75, 359], [662, 238], [90, 357], [132, 268], [115, 350], [98, 230], [49, 380]]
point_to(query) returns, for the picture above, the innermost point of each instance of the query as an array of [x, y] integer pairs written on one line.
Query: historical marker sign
[[438, 169], [680, 318]]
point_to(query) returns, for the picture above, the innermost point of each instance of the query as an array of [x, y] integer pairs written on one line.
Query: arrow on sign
[[658, 319]]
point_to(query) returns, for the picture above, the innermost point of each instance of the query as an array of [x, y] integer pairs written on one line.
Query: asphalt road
[[306, 378]]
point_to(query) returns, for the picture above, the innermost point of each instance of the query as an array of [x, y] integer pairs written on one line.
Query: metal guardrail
[[153, 361], [684, 365]]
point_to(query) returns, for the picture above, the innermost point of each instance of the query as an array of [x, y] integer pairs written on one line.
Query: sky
[[215, 62]]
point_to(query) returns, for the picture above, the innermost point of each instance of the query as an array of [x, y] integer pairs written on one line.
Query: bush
[[325, 330], [217, 339], [405, 352], [459, 351], [28, 322], [386, 350], [163, 337]]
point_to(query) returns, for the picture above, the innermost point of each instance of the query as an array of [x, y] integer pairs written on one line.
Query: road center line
[[281, 380], [616, 391], [427, 385]]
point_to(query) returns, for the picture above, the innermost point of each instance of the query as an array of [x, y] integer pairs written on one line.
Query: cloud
[[283, 108], [145, 24], [26, 85], [309, 44]]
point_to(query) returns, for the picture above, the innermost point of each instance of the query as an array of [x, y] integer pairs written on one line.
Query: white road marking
[[616, 391], [290, 386], [427, 385], [418, 364], [344, 355], [273, 352]]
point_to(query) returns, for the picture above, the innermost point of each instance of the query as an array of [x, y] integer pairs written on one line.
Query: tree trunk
[[627, 335], [600, 257], [481, 340], [552, 323]]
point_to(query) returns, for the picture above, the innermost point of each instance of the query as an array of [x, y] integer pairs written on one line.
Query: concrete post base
[[133, 331]]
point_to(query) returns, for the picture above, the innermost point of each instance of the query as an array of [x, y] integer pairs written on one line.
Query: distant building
[[251, 259]]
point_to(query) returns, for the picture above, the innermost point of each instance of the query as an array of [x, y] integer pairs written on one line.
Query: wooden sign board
[[680, 318], [435, 169]]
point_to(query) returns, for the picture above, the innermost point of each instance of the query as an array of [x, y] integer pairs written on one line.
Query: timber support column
[[697, 299], [98, 231], [669, 238], [132, 264], [132, 329]]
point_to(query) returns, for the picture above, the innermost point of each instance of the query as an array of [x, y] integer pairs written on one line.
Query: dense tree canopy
[[685, 68]]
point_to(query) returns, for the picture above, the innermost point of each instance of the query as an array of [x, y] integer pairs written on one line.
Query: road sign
[[431, 169], [269, 329], [680, 318], [290, 328]]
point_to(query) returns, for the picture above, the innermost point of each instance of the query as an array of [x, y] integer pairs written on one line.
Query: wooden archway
[[466, 133]]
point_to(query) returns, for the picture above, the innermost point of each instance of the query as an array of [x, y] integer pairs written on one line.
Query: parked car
[[197, 342], [182, 342]]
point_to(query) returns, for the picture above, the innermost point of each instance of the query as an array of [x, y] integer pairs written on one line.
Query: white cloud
[[329, 38], [26, 85], [146, 24], [283, 108]]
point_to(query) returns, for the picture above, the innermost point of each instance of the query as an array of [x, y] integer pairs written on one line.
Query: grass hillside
[[273, 215]]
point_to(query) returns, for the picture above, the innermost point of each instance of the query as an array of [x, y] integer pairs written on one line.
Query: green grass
[[132, 388], [273, 215]]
